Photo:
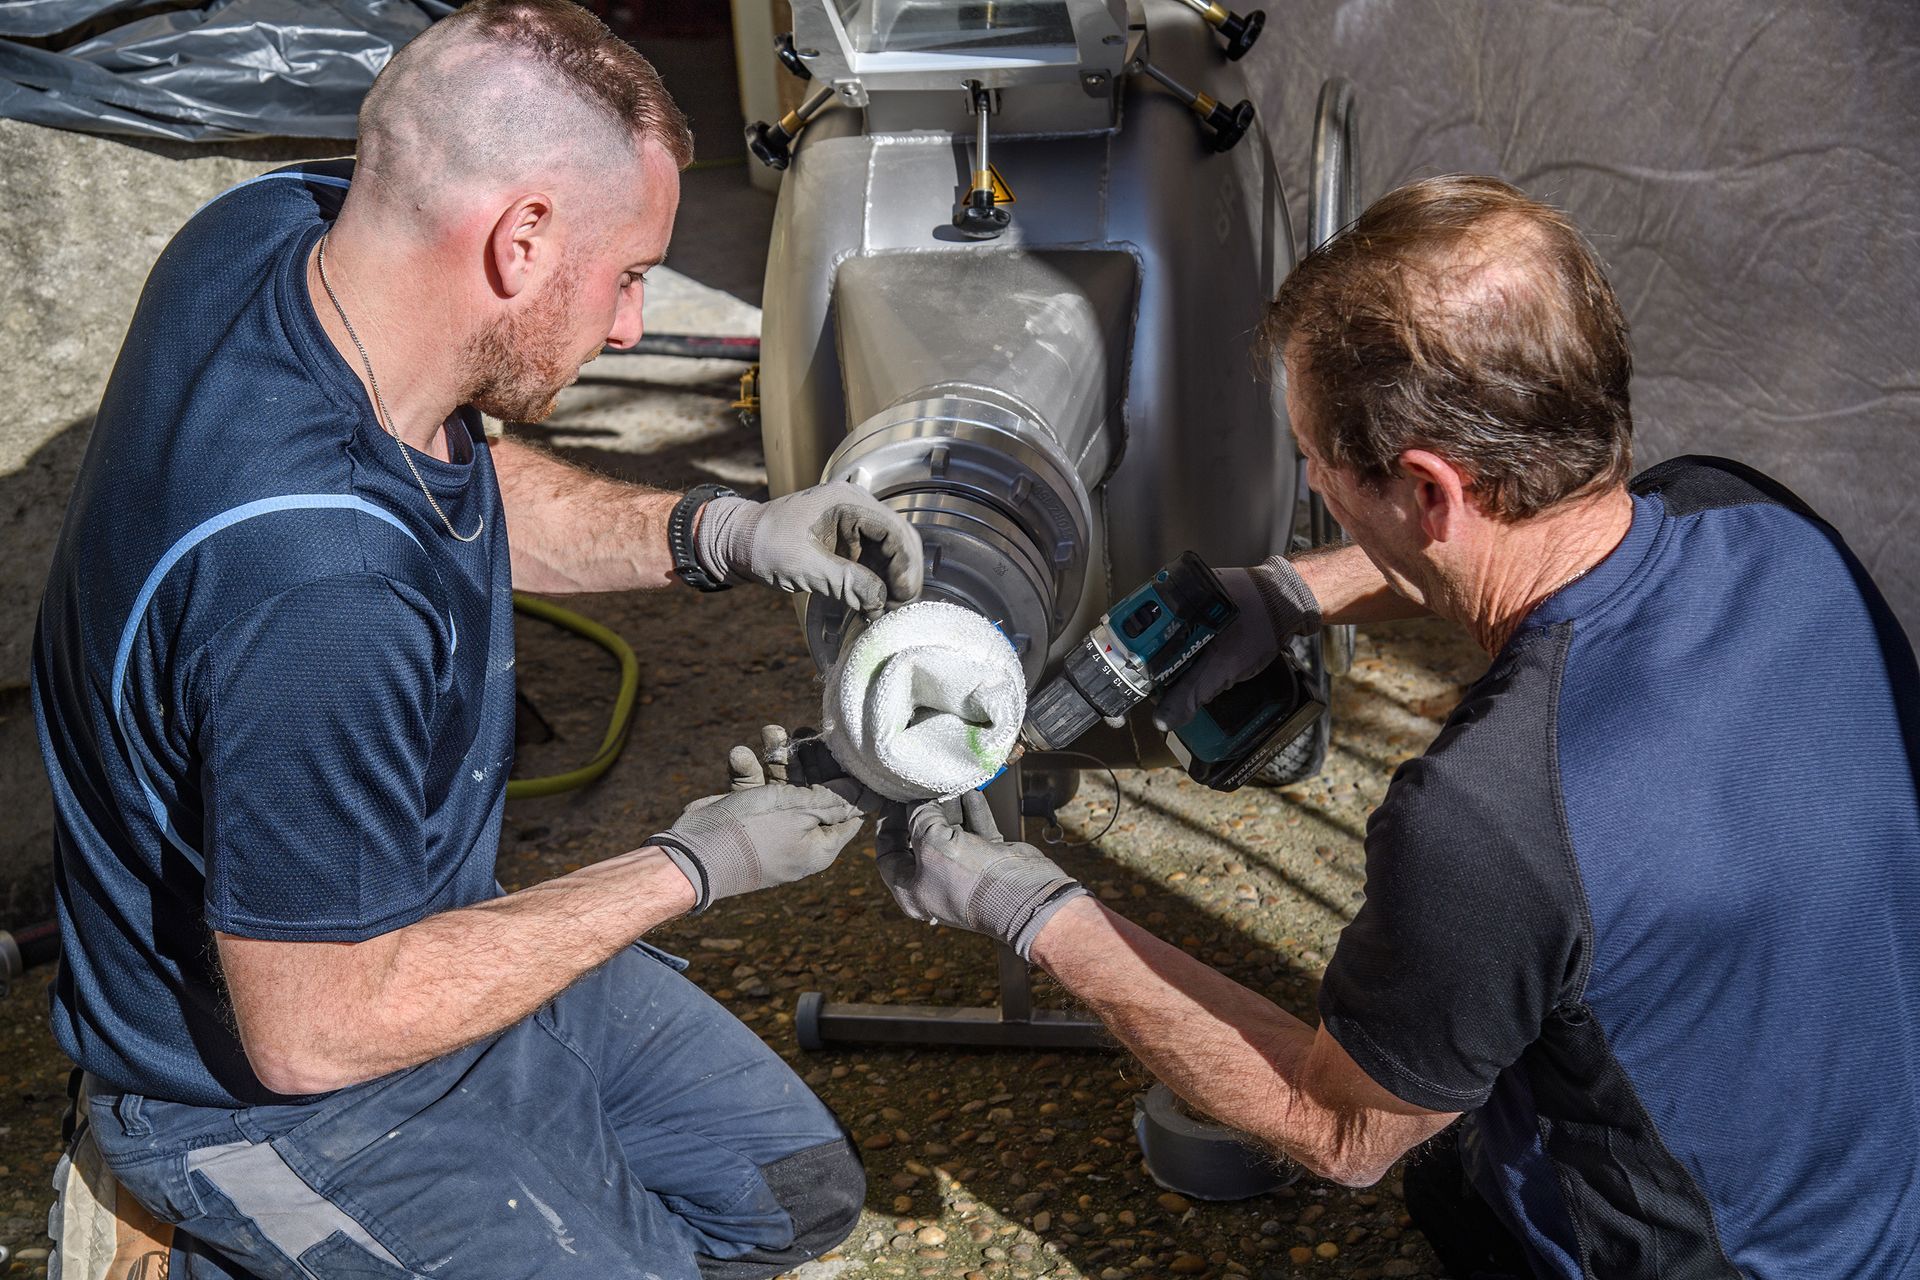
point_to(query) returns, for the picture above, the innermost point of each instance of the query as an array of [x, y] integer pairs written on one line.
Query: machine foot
[[806, 1020], [1202, 1160]]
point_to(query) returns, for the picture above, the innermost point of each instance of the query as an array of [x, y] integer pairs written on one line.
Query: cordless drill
[[1140, 646]]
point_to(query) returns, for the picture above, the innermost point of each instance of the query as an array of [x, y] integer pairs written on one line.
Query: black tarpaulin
[[225, 70]]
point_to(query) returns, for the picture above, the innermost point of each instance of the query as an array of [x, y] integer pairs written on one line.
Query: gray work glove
[[763, 831], [946, 864], [813, 541], [1275, 605]]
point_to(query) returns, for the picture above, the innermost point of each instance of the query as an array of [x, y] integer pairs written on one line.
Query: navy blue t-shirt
[[275, 697], [1649, 907]]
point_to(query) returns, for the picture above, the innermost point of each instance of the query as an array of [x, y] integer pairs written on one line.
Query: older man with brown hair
[[1645, 910], [274, 681]]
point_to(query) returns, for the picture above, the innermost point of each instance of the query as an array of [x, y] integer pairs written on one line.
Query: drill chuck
[[1101, 680]]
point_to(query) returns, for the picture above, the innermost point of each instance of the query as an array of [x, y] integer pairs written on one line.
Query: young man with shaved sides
[[1647, 912], [274, 685]]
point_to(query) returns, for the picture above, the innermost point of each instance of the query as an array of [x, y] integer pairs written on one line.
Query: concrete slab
[[81, 221]]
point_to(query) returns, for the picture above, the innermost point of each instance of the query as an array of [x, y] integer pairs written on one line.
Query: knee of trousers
[[822, 1190]]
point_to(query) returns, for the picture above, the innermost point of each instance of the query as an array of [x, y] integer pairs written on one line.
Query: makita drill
[[1140, 646]]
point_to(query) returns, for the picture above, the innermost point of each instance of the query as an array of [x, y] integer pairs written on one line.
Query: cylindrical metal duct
[[986, 419], [1047, 332], [1005, 522]]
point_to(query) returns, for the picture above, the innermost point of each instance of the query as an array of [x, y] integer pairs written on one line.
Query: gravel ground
[[981, 1163]]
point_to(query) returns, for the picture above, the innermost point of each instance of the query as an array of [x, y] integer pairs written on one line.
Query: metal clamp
[[978, 217], [1238, 33], [1227, 125], [772, 144]]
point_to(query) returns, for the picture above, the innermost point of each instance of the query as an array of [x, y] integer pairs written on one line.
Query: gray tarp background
[[1749, 171], [1746, 169], [216, 71]]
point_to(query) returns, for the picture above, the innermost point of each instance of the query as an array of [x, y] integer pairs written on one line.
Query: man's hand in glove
[[814, 541], [1275, 605], [763, 831], [946, 864]]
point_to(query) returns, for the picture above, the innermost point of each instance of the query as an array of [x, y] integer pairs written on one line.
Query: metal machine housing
[[1064, 408]]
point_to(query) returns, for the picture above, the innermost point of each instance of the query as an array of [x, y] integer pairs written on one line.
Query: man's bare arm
[[1232, 1054], [572, 530], [1350, 589], [317, 1016]]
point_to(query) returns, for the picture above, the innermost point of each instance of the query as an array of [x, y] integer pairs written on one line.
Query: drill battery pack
[[1236, 735]]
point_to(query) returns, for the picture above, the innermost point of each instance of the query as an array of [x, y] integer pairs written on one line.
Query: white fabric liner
[[926, 704]]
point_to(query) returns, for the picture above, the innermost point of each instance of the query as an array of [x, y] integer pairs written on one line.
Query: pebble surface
[[982, 1165]]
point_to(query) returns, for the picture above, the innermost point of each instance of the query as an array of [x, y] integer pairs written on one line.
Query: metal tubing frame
[[1332, 205], [1013, 1024]]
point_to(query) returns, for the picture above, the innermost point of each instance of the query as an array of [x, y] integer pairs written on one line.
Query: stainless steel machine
[[1021, 253]]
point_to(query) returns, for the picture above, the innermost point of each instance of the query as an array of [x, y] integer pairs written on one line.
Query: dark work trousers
[[1467, 1236], [631, 1128]]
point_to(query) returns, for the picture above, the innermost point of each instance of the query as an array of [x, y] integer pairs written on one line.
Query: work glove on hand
[[801, 757], [1275, 605], [763, 831], [812, 541], [946, 864]]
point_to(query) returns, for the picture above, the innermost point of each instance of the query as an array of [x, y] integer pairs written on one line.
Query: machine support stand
[[1014, 1024]]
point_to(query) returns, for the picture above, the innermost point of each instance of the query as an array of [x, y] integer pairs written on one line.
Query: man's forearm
[[313, 1019], [1234, 1055], [1212, 1041], [1350, 589], [571, 530]]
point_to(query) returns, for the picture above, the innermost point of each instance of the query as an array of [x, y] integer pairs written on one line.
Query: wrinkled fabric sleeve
[[317, 738]]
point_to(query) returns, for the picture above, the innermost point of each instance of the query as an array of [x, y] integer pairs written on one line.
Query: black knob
[[770, 144], [978, 218], [1240, 33], [790, 57], [1230, 124]]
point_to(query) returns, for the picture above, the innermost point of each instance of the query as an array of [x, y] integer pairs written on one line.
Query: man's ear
[[519, 243], [1440, 492]]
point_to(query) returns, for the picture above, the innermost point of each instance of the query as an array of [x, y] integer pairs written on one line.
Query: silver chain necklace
[[1575, 578], [380, 403]]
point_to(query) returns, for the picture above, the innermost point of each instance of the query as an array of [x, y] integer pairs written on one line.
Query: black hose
[[692, 346]]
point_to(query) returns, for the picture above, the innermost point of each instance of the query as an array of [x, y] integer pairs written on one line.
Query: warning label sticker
[[1002, 193]]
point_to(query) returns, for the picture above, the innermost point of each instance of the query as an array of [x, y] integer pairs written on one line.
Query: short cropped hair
[[1460, 316], [606, 73]]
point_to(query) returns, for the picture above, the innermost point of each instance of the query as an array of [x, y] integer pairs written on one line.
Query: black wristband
[[686, 565], [682, 856]]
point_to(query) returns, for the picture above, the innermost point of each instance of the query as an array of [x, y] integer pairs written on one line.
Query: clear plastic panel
[[941, 26]]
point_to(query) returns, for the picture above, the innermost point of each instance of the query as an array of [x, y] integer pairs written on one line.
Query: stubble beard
[[517, 367]]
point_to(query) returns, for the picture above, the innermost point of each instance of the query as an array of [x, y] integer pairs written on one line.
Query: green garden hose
[[617, 723]]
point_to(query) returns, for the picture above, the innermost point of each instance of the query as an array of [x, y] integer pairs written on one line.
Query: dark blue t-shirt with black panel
[[1649, 907], [275, 697]]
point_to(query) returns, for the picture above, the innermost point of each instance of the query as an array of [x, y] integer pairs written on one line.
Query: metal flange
[[1005, 521]]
